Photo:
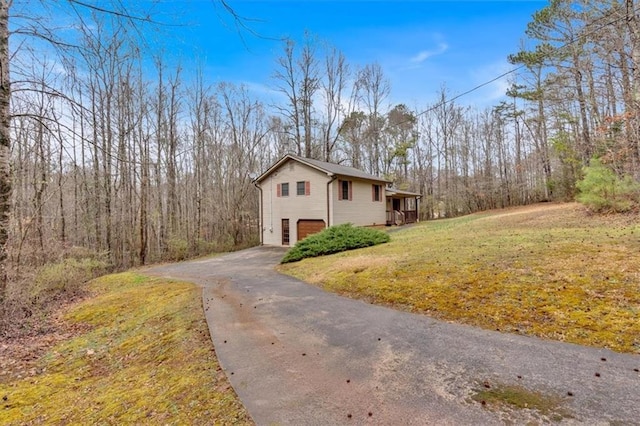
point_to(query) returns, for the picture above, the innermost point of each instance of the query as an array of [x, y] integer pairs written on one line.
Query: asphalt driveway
[[298, 355]]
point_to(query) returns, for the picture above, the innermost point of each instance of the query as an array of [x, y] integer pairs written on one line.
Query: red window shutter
[[279, 190], [307, 188], [350, 192], [339, 189]]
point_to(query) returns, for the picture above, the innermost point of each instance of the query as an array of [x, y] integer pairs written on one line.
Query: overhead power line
[[511, 71]]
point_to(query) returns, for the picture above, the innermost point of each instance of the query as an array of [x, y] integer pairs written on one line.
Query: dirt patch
[[536, 211], [19, 356], [567, 214], [21, 350]]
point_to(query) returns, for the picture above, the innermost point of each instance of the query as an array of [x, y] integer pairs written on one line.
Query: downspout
[[333, 178], [271, 202], [261, 219]]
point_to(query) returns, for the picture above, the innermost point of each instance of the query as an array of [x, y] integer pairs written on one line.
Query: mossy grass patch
[[517, 397], [144, 357], [549, 270]]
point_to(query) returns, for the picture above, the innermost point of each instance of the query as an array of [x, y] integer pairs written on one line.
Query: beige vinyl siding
[[294, 207], [361, 210]]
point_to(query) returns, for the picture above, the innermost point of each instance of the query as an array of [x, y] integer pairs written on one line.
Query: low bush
[[602, 190], [334, 240], [33, 291], [66, 277], [177, 250]]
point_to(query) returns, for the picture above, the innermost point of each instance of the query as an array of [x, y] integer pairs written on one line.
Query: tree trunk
[[5, 178], [586, 150]]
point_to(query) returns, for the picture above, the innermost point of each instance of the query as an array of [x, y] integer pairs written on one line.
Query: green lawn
[[141, 355], [548, 270]]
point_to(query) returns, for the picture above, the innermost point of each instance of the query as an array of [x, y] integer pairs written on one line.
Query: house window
[[344, 190], [376, 192], [303, 188], [284, 189]]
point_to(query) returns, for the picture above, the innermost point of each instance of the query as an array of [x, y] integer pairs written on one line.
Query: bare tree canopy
[[120, 154]]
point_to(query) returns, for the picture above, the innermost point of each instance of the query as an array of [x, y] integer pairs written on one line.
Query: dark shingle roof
[[338, 169], [329, 168]]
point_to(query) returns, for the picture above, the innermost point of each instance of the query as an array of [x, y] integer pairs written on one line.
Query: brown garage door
[[309, 226]]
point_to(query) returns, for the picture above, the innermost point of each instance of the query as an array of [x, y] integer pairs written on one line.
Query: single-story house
[[300, 196]]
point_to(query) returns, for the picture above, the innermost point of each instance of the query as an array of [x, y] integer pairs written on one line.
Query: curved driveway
[[298, 355]]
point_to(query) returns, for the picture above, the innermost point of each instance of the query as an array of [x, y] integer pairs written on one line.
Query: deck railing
[[397, 217], [410, 216]]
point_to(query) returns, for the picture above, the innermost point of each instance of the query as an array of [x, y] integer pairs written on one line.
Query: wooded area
[[116, 154]]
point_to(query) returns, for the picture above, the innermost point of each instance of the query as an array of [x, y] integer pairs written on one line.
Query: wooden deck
[[401, 217]]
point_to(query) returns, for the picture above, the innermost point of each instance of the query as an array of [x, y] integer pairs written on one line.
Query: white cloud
[[260, 88], [423, 55], [495, 90]]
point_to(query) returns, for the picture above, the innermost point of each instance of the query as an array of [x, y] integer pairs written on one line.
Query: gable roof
[[330, 169]]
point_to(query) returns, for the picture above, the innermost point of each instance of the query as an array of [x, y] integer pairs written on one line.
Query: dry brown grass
[[548, 270]]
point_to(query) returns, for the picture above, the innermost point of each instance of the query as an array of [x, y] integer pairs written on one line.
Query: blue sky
[[420, 44]]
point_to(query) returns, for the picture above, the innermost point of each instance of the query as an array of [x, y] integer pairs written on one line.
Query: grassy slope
[[547, 270], [144, 357]]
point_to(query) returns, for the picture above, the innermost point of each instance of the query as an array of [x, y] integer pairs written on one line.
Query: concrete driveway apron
[[298, 355]]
